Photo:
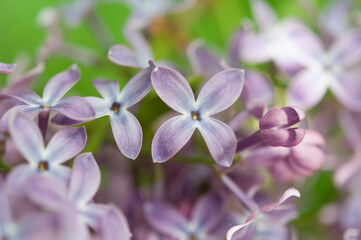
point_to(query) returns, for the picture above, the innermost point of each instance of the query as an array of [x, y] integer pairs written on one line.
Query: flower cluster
[[207, 170]]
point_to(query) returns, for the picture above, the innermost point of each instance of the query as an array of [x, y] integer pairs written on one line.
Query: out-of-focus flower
[[73, 107], [27, 137], [277, 41], [268, 221], [336, 68], [219, 93], [126, 128], [289, 164], [7, 68], [205, 216], [84, 182]]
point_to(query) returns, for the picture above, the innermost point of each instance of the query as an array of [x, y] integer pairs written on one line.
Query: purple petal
[[60, 172], [60, 84], [100, 106], [203, 61], [166, 219], [26, 96], [286, 196], [123, 56], [254, 49], [300, 92], [173, 89], [27, 110], [220, 140], [140, 46], [65, 144], [281, 117], [62, 120], [85, 179], [114, 225], [221, 91], [346, 171], [7, 68], [347, 50], [305, 159], [204, 219], [27, 137], [283, 137], [347, 89], [108, 89], [263, 14], [17, 179], [47, 192], [76, 108], [5, 209], [236, 232], [171, 137], [136, 88], [127, 133]]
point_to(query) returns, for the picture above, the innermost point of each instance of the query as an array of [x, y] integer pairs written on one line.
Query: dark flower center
[[45, 106], [43, 166], [196, 116], [115, 107], [192, 237]]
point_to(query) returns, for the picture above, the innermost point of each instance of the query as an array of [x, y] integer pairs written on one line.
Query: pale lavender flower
[[7, 68], [219, 93], [63, 146], [84, 182], [126, 128], [268, 221], [335, 68], [73, 107], [205, 216]]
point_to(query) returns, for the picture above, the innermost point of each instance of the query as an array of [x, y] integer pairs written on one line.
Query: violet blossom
[[64, 145], [219, 93], [84, 182], [7, 68]]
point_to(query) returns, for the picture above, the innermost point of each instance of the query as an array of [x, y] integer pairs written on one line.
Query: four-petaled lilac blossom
[[205, 216], [219, 93], [74, 107], [7, 68], [126, 129], [335, 68], [268, 220], [84, 182], [64, 145]]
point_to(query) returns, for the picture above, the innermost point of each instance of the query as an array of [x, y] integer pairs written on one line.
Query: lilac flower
[[63, 146], [267, 221], [7, 68], [166, 219], [219, 93], [73, 107], [84, 182], [126, 128], [335, 68], [137, 56], [275, 40]]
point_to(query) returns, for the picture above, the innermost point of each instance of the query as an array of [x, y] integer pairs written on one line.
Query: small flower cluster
[[213, 185]]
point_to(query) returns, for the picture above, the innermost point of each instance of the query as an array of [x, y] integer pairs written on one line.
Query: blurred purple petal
[[5, 209], [140, 46], [65, 144], [127, 133], [123, 56], [220, 92], [235, 233], [254, 49], [171, 137], [347, 50], [85, 179], [27, 137], [166, 219], [263, 14], [173, 89], [136, 88], [17, 179], [347, 89], [305, 160], [220, 140], [300, 92], [114, 225], [109, 90], [7, 68], [76, 108], [286, 196], [25, 109], [47, 192], [204, 219], [60, 84], [26, 96]]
